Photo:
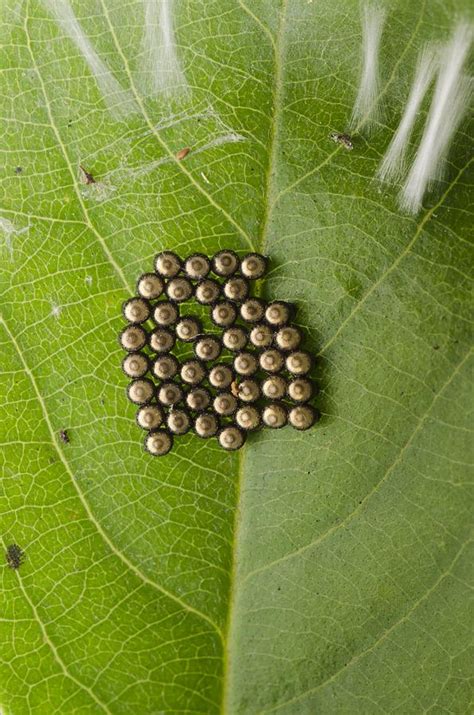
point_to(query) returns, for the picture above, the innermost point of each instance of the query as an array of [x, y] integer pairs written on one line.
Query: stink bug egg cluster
[[205, 355]]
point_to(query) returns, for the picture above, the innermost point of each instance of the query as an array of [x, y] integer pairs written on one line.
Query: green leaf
[[324, 572]]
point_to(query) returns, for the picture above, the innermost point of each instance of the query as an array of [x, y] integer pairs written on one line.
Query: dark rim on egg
[[165, 332], [236, 288], [181, 284], [227, 428], [223, 272], [286, 312], [212, 341], [188, 319], [232, 314], [213, 286], [172, 309], [258, 421], [228, 371], [248, 269], [175, 387], [141, 357], [257, 305], [193, 394], [162, 360], [191, 271], [153, 278], [200, 368], [235, 330], [153, 408], [233, 403], [170, 272], [146, 382], [213, 418], [176, 413], [309, 410], [145, 306], [169, 438], [278, 407], [135, 330], [305, 383]]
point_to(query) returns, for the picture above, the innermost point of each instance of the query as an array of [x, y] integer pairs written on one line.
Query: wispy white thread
[[8, 230], [163, 72], [128, 173], [450, 101], [118, 100], [393, 163], [367, 107]]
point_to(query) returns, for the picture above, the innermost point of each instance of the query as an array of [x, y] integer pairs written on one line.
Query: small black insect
[[18, 169], [15, 556], [344, 139], [87, 177], [64, 437]]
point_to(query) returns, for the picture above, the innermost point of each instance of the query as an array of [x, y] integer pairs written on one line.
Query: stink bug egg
[[165, 313], [271, 360], [249, 390], [253, 266], [165, 367], [198, 399], [223, 314], [133, 338], [231, 438], [245, 364], [192, 372], [136, 310], [188, 328], [275, 415], [236, 289], [261, 336], [288, 338], [149, 417], [252, 310], [234, 339], [197, 266], [300, 390], [207, 292], [167, 264], [298, 363], [158, 442], [169, 393], [135, 365], [277, 314], [140, 391], [150, 286], [225, 404], [220, 376], [274, 387], [206, 425], [178, 421], [207, 348], [161, 340], [179, 290], [225, 263], [248, 417], [302, 417]]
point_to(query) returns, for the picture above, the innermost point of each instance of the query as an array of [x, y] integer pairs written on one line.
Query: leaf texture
[[324, 572]]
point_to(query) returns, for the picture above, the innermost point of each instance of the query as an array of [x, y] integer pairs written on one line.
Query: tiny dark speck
[[15, 556], [64, 436], [18, 169], [435, 347]]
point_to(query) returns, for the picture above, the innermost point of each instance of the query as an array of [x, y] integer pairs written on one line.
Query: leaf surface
[[324, 572]]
